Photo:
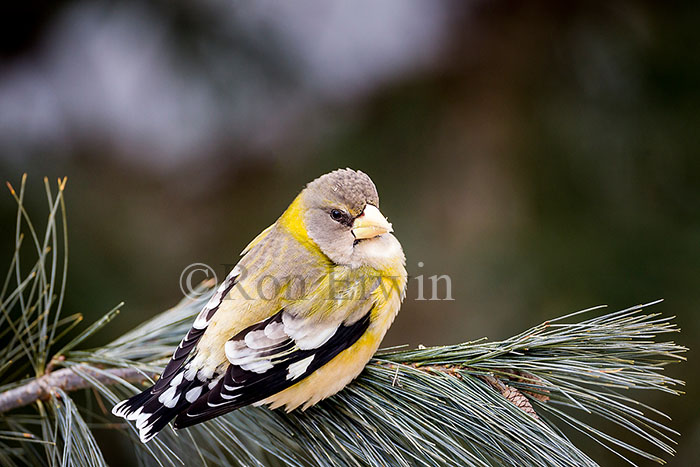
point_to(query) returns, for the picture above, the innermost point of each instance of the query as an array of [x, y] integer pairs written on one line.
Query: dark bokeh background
[[542, 154]]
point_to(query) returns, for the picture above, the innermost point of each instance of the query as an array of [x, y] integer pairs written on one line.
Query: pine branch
[[67, 380], [509, 402]]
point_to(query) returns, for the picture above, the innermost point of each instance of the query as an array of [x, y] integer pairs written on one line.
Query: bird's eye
[[337, 215]]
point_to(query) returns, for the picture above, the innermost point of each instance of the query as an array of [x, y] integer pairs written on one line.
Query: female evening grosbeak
[[295, 321]]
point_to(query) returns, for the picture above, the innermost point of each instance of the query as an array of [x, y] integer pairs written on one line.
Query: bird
[[295, 321]]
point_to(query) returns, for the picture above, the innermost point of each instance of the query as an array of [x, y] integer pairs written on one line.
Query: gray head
[[342, 210]]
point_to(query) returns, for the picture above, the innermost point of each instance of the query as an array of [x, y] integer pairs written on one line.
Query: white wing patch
[[169, 398], [297, 369], [275, 330], [307, 335], [190, 371], [260, 340], [273, 341], [238, 353], [177, 379], [193, 394], [213, 382], [214, 302]]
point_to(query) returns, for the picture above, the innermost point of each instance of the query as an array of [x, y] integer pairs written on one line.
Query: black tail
[[155, 407]]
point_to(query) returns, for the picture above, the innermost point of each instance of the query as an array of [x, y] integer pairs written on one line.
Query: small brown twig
[[66, 379], [514, 395]]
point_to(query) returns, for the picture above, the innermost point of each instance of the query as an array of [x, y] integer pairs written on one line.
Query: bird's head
[[341, 215]]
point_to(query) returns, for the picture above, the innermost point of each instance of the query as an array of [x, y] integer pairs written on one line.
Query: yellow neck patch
[[292, 220]]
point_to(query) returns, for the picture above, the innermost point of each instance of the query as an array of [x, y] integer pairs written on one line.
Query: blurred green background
[[542, 154]]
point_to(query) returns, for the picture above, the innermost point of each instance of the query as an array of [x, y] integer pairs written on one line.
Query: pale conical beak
[[371, 223]]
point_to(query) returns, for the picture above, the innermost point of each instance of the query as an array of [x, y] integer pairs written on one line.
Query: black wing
[[267, 358], [196, 331], [156, 406]]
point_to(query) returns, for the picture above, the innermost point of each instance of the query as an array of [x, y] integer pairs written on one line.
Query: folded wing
[[269, 357]]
